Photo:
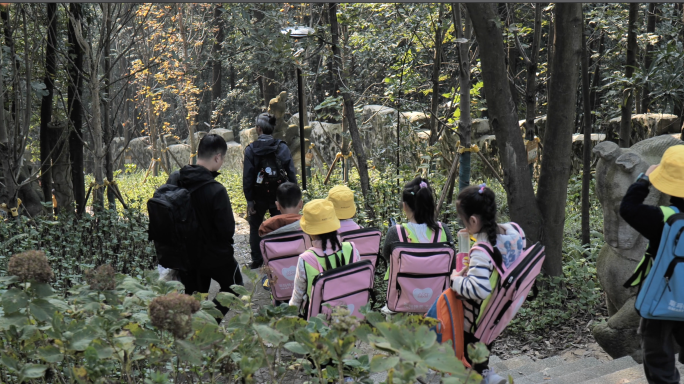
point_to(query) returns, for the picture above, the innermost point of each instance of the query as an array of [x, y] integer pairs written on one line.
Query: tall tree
[[628, 94], [216, 64], [46, 143], [436, 65], [464, 121], [586, 155], [651, 20], [542, 217], [75, 108]]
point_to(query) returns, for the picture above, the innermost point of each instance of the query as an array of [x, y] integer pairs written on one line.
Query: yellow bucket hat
[[343, 199], [669, 176], [319, 217]]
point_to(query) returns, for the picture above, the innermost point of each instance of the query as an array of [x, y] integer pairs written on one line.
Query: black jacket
[[264, 145], [214, 213], [648, 220]]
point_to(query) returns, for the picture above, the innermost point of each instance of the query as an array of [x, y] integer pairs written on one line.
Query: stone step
[[599, 370], [507, 365], [631, 375], [548, 375], [534, 367]]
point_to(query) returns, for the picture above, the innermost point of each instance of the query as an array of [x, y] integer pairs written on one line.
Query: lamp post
[[299, 33]]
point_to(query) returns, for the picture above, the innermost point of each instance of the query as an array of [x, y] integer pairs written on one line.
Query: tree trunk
[[75, 90], [596, 82], [501, 111], [216, 66], [549, 54], [335, 63], [555, 169], [586, 155], [46, 144], [436, 64], [531, 91], [651, 18], [190, 120], [107, 123], [357, 143], [464, 121], [8, 194], [628, 93]]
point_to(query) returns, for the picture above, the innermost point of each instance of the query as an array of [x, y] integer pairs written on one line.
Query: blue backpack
[[662, 294]]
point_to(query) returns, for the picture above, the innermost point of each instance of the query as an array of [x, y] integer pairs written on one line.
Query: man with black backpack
[[192, 223], [267, 164]]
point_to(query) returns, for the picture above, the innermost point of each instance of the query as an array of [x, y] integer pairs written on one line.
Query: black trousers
[[469, 338], [255, 221], [226, 273], [658, 338]]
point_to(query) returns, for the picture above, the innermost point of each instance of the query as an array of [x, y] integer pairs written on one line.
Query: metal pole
[[300, 89]]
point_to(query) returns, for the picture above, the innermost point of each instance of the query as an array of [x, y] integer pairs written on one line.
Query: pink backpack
[[350, 285], [281, 252], [511, 289], [366, 241], [419, 273]]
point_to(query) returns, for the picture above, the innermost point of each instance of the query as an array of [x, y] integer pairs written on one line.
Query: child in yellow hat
[[658, 337], [343, 199], [321, 223]]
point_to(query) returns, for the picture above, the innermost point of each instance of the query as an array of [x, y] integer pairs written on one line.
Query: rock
[[234, 158], [277, 107], [616, 341], [615, 172], [179, 155], [416, 120], [378, 129], [480, 127], [141, 152], [294, 120], [578, 149], [247, 136], [227, 134], [645, 125], [325, 136], [116, 147]]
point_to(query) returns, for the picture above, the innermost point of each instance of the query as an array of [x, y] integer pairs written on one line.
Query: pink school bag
[[512, 286], [419, 273], [281, 252], [350, 285], [366, 241]]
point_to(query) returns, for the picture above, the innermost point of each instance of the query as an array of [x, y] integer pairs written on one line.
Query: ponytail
[[418, 196], [480, 200]]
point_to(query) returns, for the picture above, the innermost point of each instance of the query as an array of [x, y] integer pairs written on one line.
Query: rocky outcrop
[[227, 134], [645, 125], [615, 172]]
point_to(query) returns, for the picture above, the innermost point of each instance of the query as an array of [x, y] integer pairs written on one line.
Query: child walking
[[476, 207], [658, 337]]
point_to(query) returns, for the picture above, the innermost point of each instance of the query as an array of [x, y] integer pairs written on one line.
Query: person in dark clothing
[[215, 259], [658, 337], [259, 202]]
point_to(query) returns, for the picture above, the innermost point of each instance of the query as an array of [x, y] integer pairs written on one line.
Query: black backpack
[[270, 174], [174, 227]]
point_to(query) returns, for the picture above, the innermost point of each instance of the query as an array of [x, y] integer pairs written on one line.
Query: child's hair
[[418, 196], [266, 122], [288, 195], [480, 200], [330, 237]]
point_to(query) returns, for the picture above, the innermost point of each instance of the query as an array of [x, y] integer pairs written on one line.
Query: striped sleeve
[[475, 285]]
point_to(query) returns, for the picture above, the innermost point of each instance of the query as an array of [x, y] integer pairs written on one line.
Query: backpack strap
[[486, 247], [437, 234], [401, 232], [200, 185], [311, 258]]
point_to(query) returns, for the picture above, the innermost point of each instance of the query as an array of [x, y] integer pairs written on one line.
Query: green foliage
[[98, 336]]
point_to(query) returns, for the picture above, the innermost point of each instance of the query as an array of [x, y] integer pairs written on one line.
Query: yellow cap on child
[[343, 199], [318, 217], [669, 176]]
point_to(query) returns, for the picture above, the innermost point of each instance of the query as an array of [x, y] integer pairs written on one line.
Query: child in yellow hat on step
[[343, 199], [658, 337], [321, 223]]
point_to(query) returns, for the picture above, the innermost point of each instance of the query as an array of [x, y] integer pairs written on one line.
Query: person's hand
[[651, 169], [455, 273], [250, 208]]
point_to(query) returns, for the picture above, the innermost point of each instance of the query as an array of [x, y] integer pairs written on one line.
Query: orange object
[[449, 313]]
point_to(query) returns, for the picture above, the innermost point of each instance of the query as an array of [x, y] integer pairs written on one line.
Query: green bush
[[140, 330]]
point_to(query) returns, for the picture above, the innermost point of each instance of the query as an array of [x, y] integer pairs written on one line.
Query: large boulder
[[141, 152], [578, 149], [247, 136], [178, 155], [326, 137], [378, 129], [227, 134], [234, 158], [624, 247], [644, 125], [294, 119]]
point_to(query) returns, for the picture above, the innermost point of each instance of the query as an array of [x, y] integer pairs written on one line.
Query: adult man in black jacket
[[214, 257], [256, 205]]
